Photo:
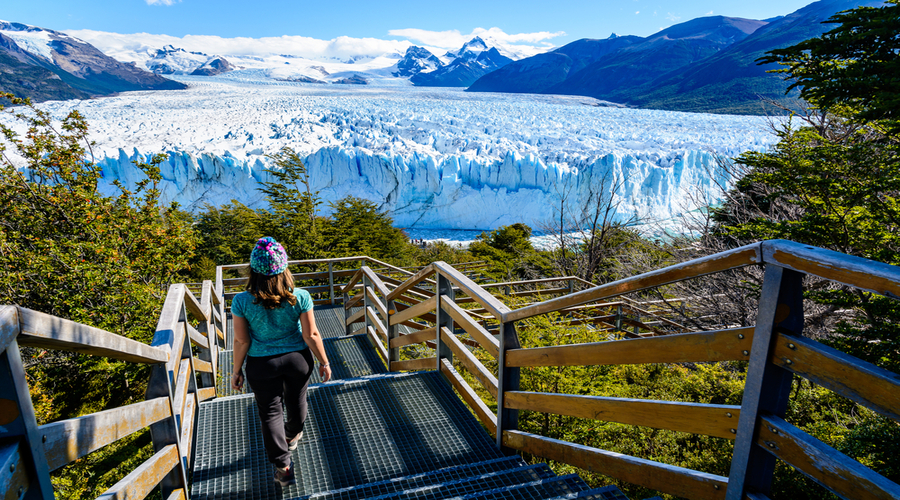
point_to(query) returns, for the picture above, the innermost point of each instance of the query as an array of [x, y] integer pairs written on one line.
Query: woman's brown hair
[[273, 290]]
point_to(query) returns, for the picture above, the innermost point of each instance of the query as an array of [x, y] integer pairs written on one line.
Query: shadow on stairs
[[379, 435]]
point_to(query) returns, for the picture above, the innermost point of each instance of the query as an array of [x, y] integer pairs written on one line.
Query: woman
[[274, 328]]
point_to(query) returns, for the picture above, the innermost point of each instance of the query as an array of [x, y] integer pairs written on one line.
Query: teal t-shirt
[[273, 331]]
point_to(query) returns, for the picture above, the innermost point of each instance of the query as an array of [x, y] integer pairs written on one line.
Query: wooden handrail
[[472, 289]]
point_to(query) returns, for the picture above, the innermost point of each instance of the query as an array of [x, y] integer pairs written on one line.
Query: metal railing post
[[366, 302], [768, 387], [507, 380]]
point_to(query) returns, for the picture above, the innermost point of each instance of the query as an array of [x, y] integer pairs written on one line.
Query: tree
[[852, 70], [510, 253], [357, 227], [293, 216], [227, 234], [106, 261]]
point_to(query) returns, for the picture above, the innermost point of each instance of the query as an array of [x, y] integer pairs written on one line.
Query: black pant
[[273, 379]]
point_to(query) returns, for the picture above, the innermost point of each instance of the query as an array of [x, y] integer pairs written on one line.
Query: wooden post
[[208, 329], [393, 332], [444, 292], [331, 281], [768, 387], [507, 380], [18, 422], [347, 314], [571, 286], [366, 301]]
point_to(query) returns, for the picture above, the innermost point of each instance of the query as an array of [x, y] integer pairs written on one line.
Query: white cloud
[[637, 12], [162, 2], [708, 13], [672, 17]]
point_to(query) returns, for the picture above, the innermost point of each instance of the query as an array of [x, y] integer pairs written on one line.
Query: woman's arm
[[314, 341], [241, 346]]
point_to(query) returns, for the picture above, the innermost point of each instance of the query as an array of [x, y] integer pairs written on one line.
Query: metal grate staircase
[[369, 434]]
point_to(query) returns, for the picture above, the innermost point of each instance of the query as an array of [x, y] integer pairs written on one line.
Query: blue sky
[[554, 22]]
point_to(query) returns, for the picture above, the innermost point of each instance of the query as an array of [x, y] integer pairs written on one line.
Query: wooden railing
[[178, 382], [775, 349], [462, 329]]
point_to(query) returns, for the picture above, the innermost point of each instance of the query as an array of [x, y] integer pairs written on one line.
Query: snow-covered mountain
[[35, 59], [433, 158], [466, 65]]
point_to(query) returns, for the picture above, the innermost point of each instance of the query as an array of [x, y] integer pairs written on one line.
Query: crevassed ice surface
[[433, 158]]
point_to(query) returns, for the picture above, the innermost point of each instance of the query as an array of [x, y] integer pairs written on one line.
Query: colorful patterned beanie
[[268, 257]]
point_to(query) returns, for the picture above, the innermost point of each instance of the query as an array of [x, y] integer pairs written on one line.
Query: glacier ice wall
[[434, 158], [453, 192]]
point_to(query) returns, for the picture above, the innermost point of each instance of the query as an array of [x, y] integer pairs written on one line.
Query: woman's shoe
[[285, 477], [293, 443]]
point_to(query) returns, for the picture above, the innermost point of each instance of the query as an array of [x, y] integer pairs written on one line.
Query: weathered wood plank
[[478, 370], [545, 291], [376, 321], [182, 380], [459, 315], [865, 383], [484, 414], [193, 306], [472, 289], [353, 301], [351, 284], [355, 317], [414, 338], [202, 366], [412, 291], [197, 337], [414, 364], [377, 343], [206, 393], [877, 277], [530, 282], [43, 330], [739, 257], [710, 420], [412, 281], [69, 440], [658, 476], [187, 430], [13, 475], [375, 301], [415, 311], [142, 480], [9, 325], [169, 329], [721, 345], [830, 468], [376, 282]]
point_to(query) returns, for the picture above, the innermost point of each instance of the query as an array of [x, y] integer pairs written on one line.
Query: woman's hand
[[325, 372], [237, 380]]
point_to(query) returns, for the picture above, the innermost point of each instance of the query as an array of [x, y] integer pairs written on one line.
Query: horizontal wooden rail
[[140, 482], [877, 277], [414, 338], [354, 301], [413, 291], [695, 418], [484, 414], [540, 291], [470, 288], [739, 257], [376, 282], [376, 322], [411, 282], [530, 282], [414, 364], [376, 302], [478, 370], [476, 331], [830, 468], [69, 440], [357, 316], [49, 332], [851, 377], [415, 311], [670, 479], [720, 345]]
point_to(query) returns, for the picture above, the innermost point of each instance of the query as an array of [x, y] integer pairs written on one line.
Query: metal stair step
[[610, 492], [359, 431], [556, 487], [483, 482], [419, 480]]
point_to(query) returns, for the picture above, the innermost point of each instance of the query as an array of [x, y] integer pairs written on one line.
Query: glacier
[[433, 158]]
